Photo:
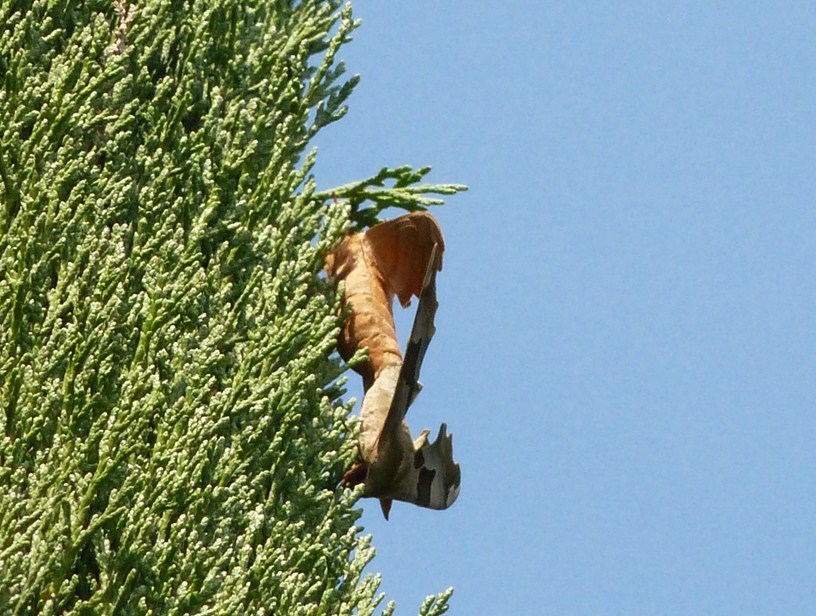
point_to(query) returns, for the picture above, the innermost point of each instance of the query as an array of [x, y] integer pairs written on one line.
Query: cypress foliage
[[172, 418]]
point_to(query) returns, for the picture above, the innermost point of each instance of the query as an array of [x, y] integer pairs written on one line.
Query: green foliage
[[403, 192], [171, 418], [436, 605]]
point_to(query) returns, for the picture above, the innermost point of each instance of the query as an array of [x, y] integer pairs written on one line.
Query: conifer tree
[[173, 422]]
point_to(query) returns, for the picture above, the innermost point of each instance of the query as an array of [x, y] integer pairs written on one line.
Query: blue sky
[[626, 338]]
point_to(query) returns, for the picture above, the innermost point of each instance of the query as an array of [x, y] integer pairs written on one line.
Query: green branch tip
[[391, 187]]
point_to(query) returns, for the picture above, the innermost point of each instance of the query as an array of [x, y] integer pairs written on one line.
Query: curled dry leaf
[[397, 257]]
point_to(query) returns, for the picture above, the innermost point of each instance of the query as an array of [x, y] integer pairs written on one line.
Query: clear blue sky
[[626, 342]]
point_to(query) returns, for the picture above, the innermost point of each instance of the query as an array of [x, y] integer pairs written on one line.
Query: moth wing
[[438, 476], [434, 479], [402, 248], [408, 385]]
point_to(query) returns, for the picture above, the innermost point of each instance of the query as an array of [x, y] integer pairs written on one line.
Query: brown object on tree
[[388, 259], [397, 257]]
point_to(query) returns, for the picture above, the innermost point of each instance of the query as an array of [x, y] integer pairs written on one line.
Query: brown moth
[[397, 257]]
